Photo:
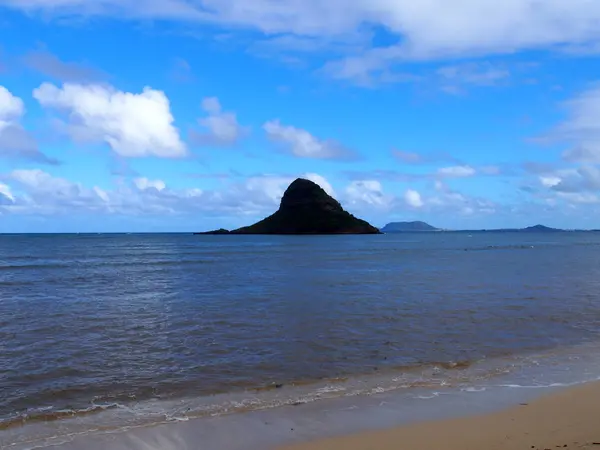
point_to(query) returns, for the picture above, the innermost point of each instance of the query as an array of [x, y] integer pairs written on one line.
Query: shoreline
[[287, 416], [352, 423], [569, 418]]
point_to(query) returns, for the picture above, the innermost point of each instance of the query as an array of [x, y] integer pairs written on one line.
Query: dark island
[[402, 227], [306, 209]]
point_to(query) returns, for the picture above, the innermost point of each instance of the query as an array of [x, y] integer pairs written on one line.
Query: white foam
[[327, 389], [428, 397], [473, 389]]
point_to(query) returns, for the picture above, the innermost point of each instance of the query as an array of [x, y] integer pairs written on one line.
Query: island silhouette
[[306, 209]]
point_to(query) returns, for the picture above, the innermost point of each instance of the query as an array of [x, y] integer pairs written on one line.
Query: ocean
[[100, 332]]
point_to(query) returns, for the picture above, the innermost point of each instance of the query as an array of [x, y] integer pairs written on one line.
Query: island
[[402, 227], [306, 209], [532, 229], [541, 229]]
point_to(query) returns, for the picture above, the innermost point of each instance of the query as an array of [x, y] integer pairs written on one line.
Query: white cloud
[[272, 187], [581, 129], [432, 29], [447, 200], [6, 194], [222, 127], [133, 125], [460, 27], [15, 141], [302, 144], [413, 199], [482, 74], [11, 108], [38, 180], [453, 78], [144, 183], [39, 192], [585, 198], [321, 181], [550, 181], [367, 193], [572, 180], [457, 171]]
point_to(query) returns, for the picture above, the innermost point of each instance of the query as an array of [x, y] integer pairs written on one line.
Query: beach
[[566, 419]]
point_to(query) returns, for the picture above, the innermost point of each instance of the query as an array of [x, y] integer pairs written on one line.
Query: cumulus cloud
[[413, 199], [302, 144], [222, 128], [133, 125], [457, 171], [15, 141]]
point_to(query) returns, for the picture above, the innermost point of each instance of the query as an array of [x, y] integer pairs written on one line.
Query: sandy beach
[[567, 419]]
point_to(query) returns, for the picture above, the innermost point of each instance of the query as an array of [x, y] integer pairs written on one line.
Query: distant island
[[533, 229], [306, 209], [541, 229], [399, 227], [417, 226]]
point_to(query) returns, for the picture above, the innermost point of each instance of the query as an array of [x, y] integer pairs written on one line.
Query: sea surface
[[105, 331]]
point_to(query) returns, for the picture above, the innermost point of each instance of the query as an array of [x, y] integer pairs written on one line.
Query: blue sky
[[184, 115]]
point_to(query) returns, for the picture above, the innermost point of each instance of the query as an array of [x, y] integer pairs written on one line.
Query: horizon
[[441, 229], [194, 115]]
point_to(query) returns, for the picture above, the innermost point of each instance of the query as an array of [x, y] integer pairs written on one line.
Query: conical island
[[307, 209]]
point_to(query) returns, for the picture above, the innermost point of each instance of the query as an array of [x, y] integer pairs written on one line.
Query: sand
[[567, 419]]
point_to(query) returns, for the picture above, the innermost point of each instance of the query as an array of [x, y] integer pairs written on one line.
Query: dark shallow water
[[90, 322]]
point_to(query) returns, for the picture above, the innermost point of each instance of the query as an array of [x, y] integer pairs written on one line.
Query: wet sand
[[567, 419]]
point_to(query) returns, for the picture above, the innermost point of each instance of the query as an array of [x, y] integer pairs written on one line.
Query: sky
[[190, 115]]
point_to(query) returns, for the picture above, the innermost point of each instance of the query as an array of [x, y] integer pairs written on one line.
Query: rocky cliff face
[[307, 209]]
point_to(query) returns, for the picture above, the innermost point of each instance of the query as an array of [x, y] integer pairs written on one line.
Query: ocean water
[[101, 332]]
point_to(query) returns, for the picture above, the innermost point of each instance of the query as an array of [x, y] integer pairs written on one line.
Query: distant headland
[[306, 209], [399, 227]]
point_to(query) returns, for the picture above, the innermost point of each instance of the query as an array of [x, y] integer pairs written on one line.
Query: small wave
[[49, 414], [428, 397], [500, 247], [473, 389], [538, 386]]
